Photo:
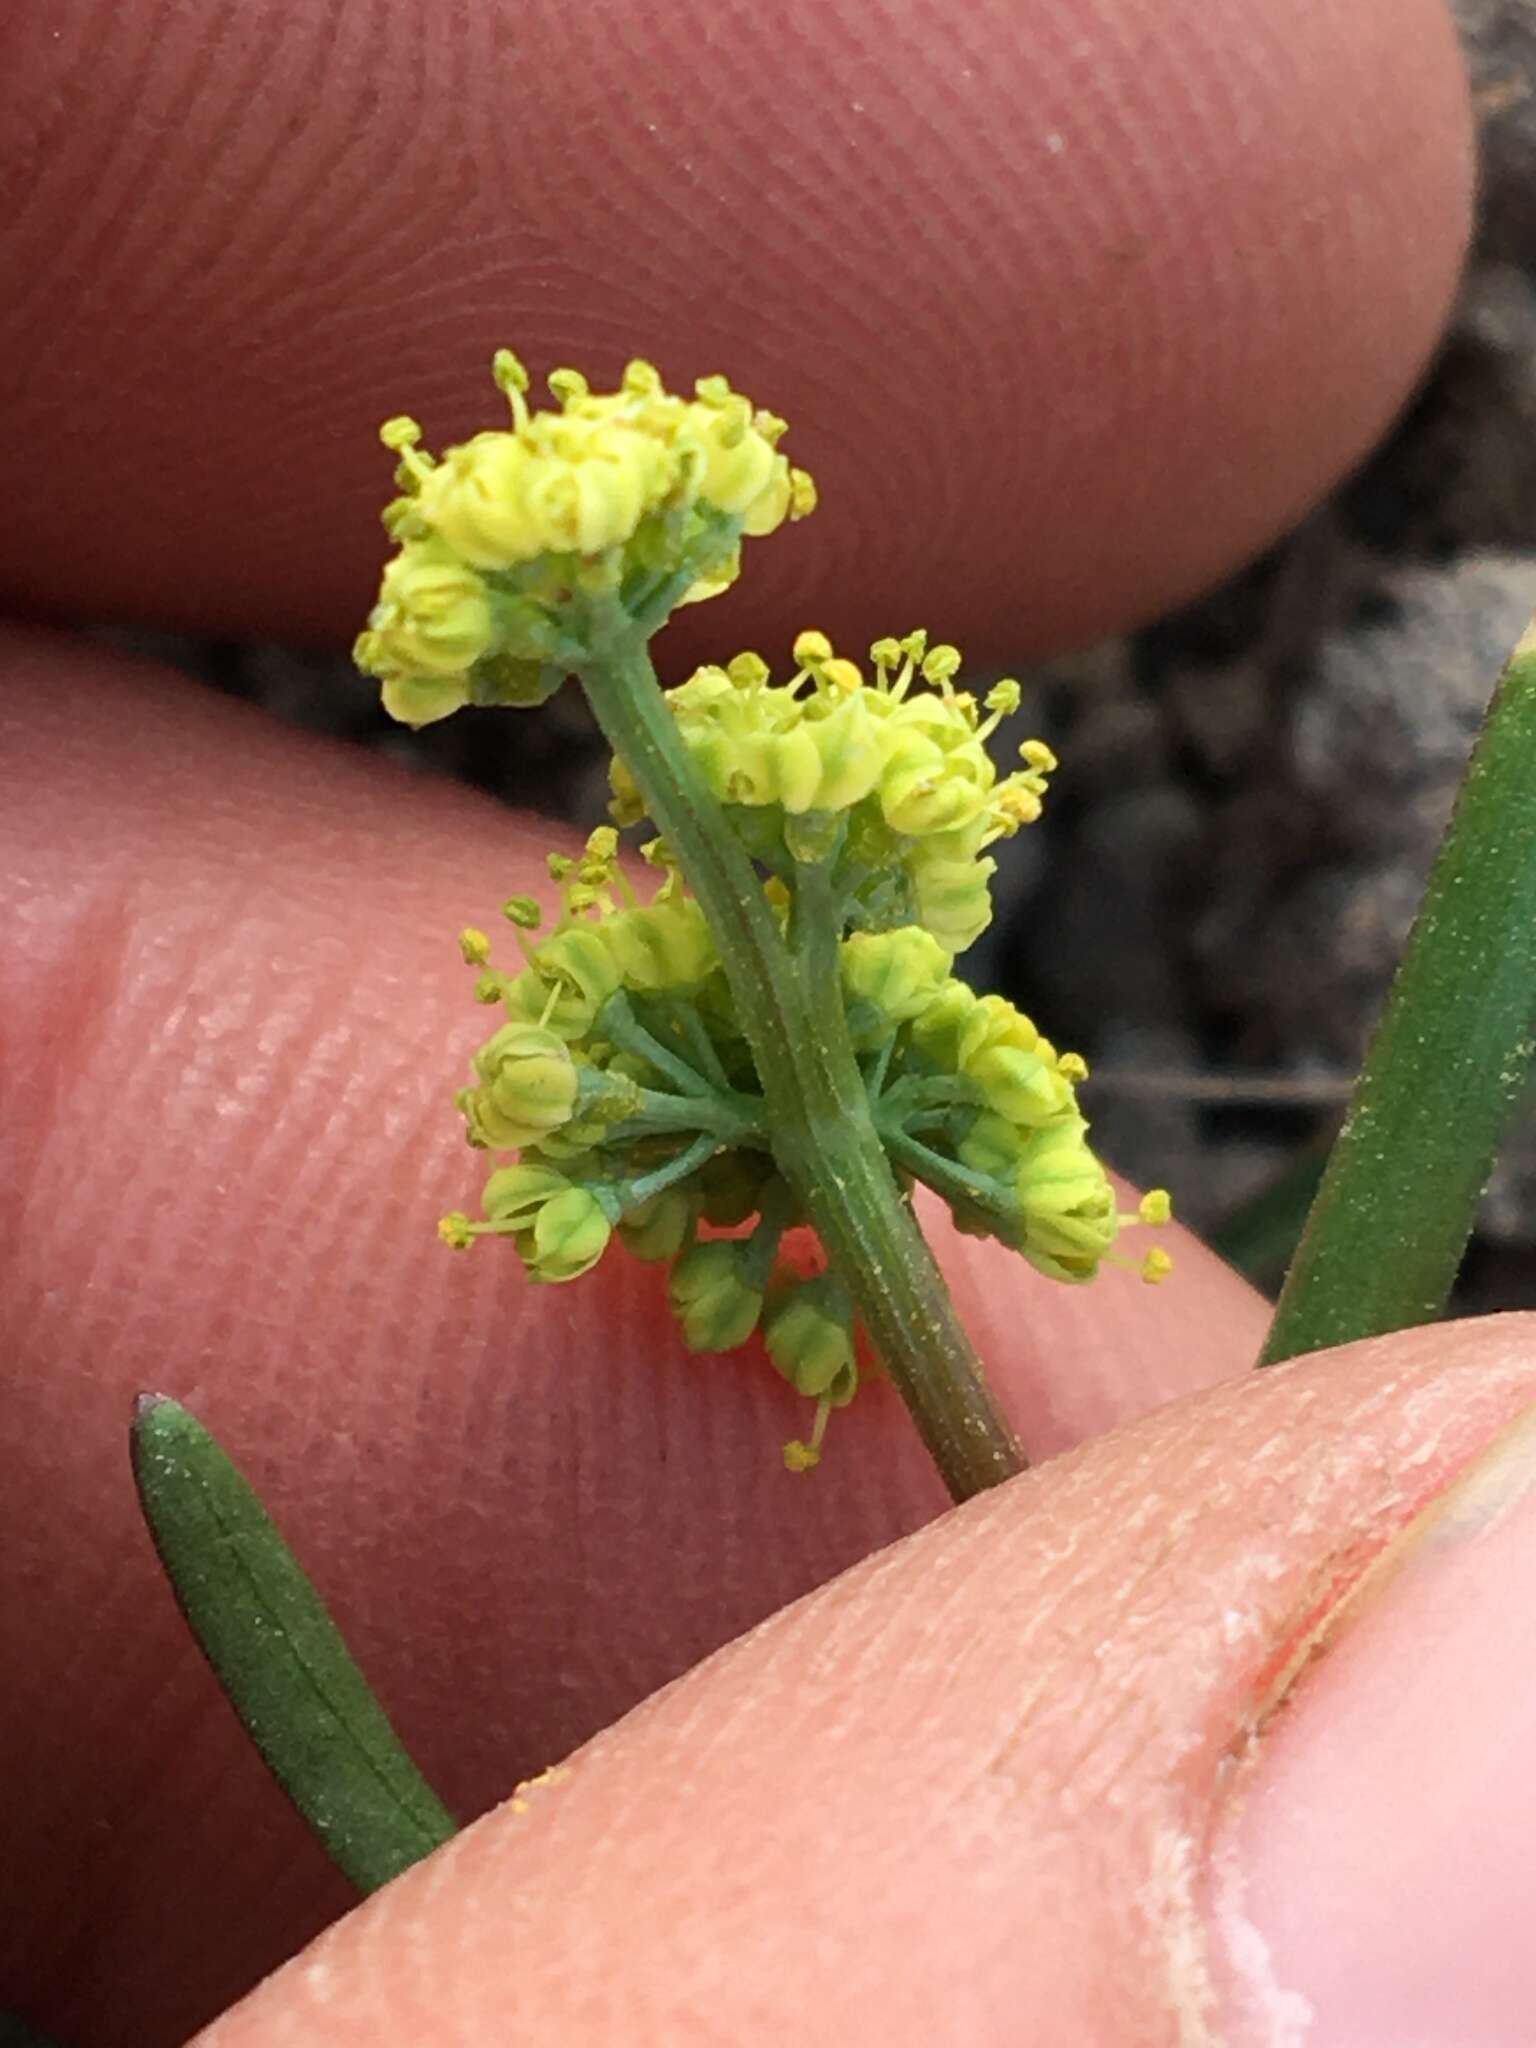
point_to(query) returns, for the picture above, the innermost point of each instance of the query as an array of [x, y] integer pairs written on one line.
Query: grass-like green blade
[[278, 1655], [1446, 1070]]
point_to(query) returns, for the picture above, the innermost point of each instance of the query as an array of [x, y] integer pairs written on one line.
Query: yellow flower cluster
[[621, 1022], [909, 765], [1002, 1136], [498, 539]]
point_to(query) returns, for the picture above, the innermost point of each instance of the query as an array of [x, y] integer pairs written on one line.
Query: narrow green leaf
[[1446, 1070], [278, 1654]]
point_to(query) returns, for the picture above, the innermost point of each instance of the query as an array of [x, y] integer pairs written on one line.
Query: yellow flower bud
[[937, 1028], [577, 967], [791, 770], [1020, 1085], [899, 974], [710, 1298], [456, 1231], [662, 945], [475, 946], [476, 499], [849, 748], [812, 648], [809, 1334], [514, 1194], [781, 498], [1068, 1205], [528, 1088], [921, 791], [421, 700], [433, 617], [954, 897], [1155, 1206], [591, 484], [570, 1234], [994, 1021], [736, 463]]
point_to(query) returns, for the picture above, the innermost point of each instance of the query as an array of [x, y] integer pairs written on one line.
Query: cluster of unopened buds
[[636, 491], [621, 1086]]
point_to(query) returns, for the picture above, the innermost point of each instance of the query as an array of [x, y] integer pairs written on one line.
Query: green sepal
[[278, 1655]]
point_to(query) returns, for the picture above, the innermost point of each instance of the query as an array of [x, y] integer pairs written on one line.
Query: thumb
[[1212, 1728]]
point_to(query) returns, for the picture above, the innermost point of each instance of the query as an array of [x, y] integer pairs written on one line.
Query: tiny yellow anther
[[748, 671], [1155, 1206], [400, 433], [1156, 1266], [568, 387], [475, 946], [508, 371]]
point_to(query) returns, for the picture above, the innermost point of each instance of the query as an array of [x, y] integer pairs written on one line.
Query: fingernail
[[1375, 1866]]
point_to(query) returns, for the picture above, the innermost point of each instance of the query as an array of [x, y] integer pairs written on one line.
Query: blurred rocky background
[[1256, 786]]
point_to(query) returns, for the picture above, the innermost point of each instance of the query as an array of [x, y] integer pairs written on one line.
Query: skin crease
[[229, 999]]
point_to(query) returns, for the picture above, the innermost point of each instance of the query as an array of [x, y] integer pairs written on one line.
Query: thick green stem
[[1387, 1231], [823, 1136]]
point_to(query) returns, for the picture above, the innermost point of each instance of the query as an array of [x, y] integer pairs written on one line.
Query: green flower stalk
[[774, 1039]]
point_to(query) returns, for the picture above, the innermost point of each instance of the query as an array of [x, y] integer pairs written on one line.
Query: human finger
[[234, 1010], [1217, 1730], [1071, 309]]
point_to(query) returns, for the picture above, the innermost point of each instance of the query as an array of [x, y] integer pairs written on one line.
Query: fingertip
[[232, 983], [1071, 311], [967, 1792]]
